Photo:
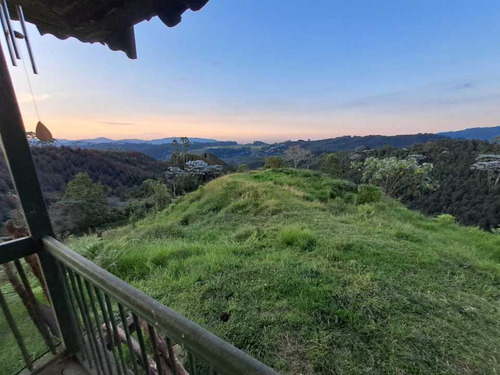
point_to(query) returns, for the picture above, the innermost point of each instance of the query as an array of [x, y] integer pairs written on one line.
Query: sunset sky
[[275, 70]]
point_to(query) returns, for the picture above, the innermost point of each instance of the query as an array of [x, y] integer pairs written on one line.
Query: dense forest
[[461, 191], [120, 176], [156, 151], [465, 193], [254, 154]]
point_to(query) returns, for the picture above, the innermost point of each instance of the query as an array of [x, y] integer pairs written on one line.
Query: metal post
[[22, 169]]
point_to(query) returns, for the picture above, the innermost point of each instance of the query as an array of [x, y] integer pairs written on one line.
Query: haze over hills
[[233, 149], [104, 140], [234, 153], [482, 134]]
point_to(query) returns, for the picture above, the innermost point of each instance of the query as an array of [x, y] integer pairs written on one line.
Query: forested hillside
[[117, 171], [156, 151], [315, 275], [467, 194], [254, 154], [118, 176], [484, 134]]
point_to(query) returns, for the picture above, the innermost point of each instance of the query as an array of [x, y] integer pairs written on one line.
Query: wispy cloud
[[464, 86], [25, 97], [117, 123], [432, 95]]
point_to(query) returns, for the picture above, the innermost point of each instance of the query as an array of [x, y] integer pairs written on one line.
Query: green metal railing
[[26, 315], [120, 330], [167, 342]]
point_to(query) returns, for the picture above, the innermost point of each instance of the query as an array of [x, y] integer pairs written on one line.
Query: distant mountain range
[[234, 153], [483, 134], [83, 143]]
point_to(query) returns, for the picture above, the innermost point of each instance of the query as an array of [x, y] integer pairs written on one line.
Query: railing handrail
[[16, 249], [224, 356]]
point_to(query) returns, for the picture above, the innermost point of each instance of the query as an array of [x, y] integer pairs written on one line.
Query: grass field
[[314, 283], [11, 360]]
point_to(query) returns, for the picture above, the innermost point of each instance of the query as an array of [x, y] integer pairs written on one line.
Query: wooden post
[[22, 169]]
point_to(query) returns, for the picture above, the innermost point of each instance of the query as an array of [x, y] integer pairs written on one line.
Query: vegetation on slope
[[463, 192], [290, 267]]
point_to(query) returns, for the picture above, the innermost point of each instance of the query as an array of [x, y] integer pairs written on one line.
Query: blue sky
[[276, 70]]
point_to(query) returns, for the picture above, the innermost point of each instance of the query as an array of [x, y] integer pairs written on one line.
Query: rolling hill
[[482, 134], [292, 267]]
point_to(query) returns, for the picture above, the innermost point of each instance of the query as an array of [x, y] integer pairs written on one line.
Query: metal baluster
[[127, 335], [99, 330], [108, 328], [86, 355], [141, 344], [15, 331], [171, 354], [85, 312], [42, 326], [154, 344], [115, 333], [192, 367]]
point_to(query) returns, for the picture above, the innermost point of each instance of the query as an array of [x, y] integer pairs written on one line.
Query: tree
[[176, 177], [157, 192], [194, 173], [330, 164], [242, 168], [274, 162], [175, 155], [296, 154], [91, 197], [397, 178], [491, 164], [185, 144]]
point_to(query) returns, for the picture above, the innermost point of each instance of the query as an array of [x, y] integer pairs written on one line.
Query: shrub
[[368, 194], [330, 164], [274, 162], [342, 188], [445, 219], [397, 178], [242, 168], [366, 211], [302, 239], [338, 206]]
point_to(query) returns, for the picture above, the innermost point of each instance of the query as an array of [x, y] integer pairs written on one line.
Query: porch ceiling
[[109, 22]]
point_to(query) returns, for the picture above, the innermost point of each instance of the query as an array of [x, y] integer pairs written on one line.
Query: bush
[[302, 239], [242, 168], [368, 194], [445, 219], [342, 188], [330, 164], [338, 206], [274, 162]]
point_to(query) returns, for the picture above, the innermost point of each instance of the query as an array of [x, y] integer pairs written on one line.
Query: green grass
[[315, 283], [11, 360]]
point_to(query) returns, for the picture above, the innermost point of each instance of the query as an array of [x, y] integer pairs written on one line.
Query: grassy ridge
[[311, 282]]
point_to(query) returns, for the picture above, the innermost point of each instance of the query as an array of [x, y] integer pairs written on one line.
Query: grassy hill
[[288, 266]]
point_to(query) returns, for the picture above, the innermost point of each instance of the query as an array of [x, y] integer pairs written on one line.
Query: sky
[[275, 70]]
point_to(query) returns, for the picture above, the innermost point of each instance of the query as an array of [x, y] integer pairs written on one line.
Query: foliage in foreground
[[315, 282]]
